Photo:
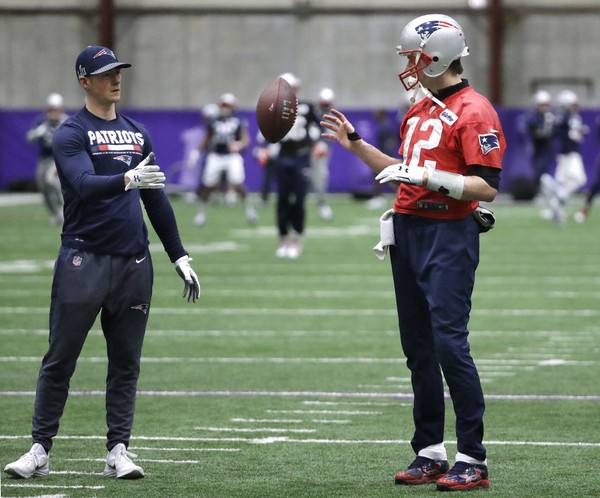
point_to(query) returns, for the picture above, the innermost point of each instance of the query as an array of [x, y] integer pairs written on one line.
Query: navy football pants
[[433, 265], [292, 187], [84, 285]]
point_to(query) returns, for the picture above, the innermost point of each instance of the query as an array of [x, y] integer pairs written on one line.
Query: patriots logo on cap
[[105, 51], [488, 142], [426, 29], [126, 159]]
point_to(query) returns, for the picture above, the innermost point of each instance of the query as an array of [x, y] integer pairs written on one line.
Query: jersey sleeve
[[75, 166], [482, 142]]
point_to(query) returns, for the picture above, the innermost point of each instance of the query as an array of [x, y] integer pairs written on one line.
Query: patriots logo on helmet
[[125, 158], [488, 142], [105, 51], [426, 29]]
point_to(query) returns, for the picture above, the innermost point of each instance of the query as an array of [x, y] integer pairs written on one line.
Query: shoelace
[[31, 457], [127, 455]]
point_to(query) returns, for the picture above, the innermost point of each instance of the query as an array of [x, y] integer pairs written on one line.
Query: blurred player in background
[[104, 267], [387, 141], [451, 156], [226, 137], [539, 127], [192, 159], [292, 168], [265, 154], [581, 215], [320, 157], [570, 173], [46, 177]]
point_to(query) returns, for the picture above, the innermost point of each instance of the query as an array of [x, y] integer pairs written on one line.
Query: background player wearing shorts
[[105, 165], [226, 138], [451, 153], [46, 178], [292, 169]]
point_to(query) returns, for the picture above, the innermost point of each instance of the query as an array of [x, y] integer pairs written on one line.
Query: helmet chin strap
[[427, 94]]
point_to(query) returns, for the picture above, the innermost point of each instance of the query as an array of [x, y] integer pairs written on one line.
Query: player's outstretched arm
[[341, 130]]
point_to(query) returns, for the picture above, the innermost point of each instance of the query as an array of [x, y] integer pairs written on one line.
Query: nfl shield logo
[[77, 260]]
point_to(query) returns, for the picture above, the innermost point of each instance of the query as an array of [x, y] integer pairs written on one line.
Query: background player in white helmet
[[292, 166], [320, 156], [226, 137], [570, 175], [450, 159], [46, 177], [538, 126]]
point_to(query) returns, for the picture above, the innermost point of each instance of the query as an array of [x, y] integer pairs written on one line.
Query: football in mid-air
[[276, 110]]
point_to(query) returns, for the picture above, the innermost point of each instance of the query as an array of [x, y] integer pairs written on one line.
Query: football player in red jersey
[[450, 160]]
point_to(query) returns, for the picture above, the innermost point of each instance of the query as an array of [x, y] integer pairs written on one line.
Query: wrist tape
[[450, 184]]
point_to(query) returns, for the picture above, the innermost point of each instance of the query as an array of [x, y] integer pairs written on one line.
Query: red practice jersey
[[467, 132]]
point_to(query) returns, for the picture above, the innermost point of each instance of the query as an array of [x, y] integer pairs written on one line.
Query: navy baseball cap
[[95, 60]]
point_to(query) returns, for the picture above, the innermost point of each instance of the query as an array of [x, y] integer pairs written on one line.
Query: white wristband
[[450, 184]]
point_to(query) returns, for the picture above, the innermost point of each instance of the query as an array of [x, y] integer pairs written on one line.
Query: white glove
[[145, 175], [191, 286], [402, 173]]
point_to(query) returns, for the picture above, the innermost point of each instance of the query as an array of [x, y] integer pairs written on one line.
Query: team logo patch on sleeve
[[488, 142]]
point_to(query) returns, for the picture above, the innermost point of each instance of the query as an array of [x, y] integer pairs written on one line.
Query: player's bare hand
[[338, 128]]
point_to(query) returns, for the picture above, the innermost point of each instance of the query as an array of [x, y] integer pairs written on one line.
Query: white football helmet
[[292, 79], [542, 97], [55, 101], [567, 98], [436, 40], [326, 96]]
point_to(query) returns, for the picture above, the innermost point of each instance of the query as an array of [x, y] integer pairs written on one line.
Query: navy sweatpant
[[119, 288], [292, 187], [433, 265]]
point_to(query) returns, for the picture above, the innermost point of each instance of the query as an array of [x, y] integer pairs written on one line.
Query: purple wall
[[174, 132]]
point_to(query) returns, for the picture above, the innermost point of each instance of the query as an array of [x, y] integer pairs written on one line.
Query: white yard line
[[321, 394], [533, 312], [284, 439]]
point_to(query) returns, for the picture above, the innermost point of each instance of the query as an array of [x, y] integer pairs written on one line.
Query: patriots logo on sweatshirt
[[126, 159]]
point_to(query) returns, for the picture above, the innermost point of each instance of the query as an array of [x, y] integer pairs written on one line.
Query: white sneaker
[[200, 219], [251, 215], [282, 250], [33, 463], [580, 216], [325, 212], [294, 249], [119, 465]]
